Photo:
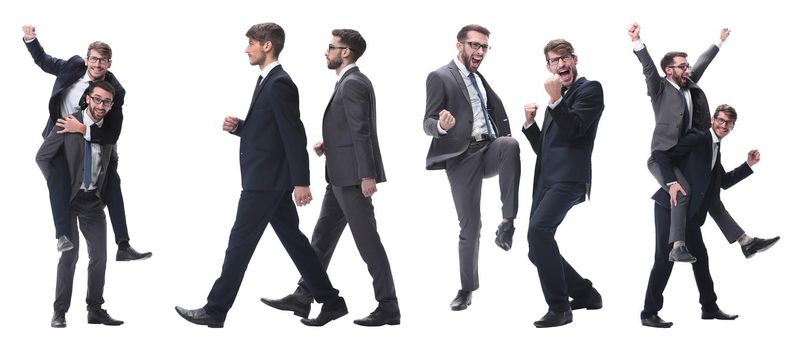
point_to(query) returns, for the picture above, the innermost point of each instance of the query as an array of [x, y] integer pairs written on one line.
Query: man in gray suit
[[679, 105], [471, 141], [87, 165], [353, 167]]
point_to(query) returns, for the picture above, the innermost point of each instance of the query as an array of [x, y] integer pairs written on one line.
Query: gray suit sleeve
[[356, 103], [435, 102], [654, 86], [702, 63], [48, 151]]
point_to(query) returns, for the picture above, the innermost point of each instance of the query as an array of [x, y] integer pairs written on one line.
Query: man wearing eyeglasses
[[87, 169], [72, 78], [471, 140], [353, 168], [564, 146], [698, 155]]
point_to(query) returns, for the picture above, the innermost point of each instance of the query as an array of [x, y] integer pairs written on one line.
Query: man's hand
[[725, 33], [672, 192], [319, 148], [302, 195], [753, 157], [553, 85], [230, 124], [447, 120], [634, 31], [69, 124], [29, 32], [368, 187], [530, 110]]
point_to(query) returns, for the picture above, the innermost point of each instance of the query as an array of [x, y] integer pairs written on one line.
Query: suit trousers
[[465, 173], [718, 212], [59, 188], [257, 209], [347, 205], [86, 210], [558, 279], [661, 270]]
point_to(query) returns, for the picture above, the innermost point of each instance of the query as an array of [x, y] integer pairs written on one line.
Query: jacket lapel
[[452, 67]]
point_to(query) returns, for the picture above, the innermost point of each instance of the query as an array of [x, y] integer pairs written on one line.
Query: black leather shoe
[[290, 303], [100, 316], [758, 245], [129, 254], [681, 254], [555, 319], [655, 321], [58, 320], [504, 235], [63, 244], [199, 316], [329, 312], [717, 315], [461, 301], [380, 317], [593, 302]]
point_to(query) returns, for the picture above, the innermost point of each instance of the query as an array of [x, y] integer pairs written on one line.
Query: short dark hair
[[560, 46], [728, 110], [668, 59], [353, 40], [264, 32], [463, 33], [101, 47], [100, 84]]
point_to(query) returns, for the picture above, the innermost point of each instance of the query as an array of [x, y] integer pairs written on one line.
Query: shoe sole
[[146, 257], [661, 325], [105, 324], [688, 261], [312, 322], [552, 325], [764, 249], [295, 312], [389, 323]]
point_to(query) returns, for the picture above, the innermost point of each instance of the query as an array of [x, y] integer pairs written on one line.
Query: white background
[[184, 69]]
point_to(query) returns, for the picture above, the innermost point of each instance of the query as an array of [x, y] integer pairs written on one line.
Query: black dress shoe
[[329, 312], [100, 316], [129, 254], [58, 320], [290, 303], [655, 321], [199, 316], [758, 245], [461, 301], [681, 254], [63, 244], [593, 302], [380, 317], [717, 315], [504, 235], [555, 319]]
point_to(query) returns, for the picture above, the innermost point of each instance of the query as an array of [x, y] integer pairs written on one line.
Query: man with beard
[[679, 105], [353, 167], [564, 146], [87, 168], [471, 140]]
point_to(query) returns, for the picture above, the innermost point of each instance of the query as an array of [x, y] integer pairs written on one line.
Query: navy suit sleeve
[[533, 136], [48, 63], [585, 110], [356, 103], [735, 176], [671, 157], [284, 101]]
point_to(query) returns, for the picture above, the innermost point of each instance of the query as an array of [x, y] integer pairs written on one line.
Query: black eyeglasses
[[556, 60], [100, 101], [94, 59], [332, 47], [721, 121], [476, 45], [682, 66]]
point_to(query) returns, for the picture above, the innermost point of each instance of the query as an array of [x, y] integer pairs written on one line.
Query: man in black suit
[[698, 156], [471, 140], [274, 168], [72, 78], [87, 169], [562, 178], [353, 167]]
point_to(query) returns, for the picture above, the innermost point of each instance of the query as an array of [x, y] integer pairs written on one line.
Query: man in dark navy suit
[[274, 167], [72, 78], [564, 146]]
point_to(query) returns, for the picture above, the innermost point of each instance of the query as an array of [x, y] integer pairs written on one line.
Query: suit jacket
[[73, 148], [706, 184], [272, 137], [445, 89], [349, 132], [565, 144], [67, 73], [667, 101]]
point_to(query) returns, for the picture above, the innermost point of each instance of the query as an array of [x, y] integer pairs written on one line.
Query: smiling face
[[678, 71], [99, 102], [563, 64], [472, 50], [97, 65]]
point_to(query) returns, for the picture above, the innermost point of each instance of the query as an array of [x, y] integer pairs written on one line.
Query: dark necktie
[[490, 133], [87, 164], [686, 113], [258, 82]]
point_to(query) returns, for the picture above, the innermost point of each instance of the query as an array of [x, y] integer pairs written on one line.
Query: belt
[[480, 138]]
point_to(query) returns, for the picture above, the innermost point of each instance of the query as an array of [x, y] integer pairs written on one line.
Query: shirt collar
[[715, 137], [461, 67], [347, 68], [269, 68]]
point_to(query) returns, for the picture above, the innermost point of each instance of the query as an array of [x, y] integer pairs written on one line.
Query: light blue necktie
[[87, 164], [490, 133]]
